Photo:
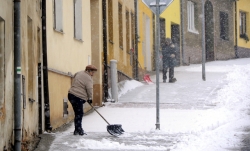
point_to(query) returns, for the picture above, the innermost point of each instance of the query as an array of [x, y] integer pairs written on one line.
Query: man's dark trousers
[[77, 105]]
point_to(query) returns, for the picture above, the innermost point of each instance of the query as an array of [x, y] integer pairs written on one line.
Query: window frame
[[243, 22], [2, 61], [58, 24], [191, 18], [78, 19]]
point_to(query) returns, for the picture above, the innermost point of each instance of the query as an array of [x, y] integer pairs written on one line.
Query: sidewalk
[[187, 102]]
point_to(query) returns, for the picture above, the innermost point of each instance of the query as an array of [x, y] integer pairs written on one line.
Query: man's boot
[[173, 80]]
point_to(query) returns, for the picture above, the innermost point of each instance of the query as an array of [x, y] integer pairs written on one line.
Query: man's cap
[[91, 67]]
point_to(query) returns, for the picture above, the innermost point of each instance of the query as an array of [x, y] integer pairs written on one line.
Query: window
[[120, 25], [127, 33], [243, 21], [224, 26], [110, 20], [78, 19], [31, 60], [132, 38], [2, 67], [58, 15], [191, 12]]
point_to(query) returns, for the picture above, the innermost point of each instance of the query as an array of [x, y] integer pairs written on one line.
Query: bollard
[[114, 87]]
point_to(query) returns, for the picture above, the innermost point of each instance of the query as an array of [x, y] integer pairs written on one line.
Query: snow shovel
[[114, 129]]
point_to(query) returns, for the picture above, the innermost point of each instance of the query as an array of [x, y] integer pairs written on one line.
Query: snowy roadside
[[220, 128]]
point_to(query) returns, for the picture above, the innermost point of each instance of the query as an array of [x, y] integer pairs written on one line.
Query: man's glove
[[89, 101]]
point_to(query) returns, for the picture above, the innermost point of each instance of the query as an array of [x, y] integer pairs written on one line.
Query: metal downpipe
[[105, 54], [236, 32], [45, 69], [17, 76], [136, 40]]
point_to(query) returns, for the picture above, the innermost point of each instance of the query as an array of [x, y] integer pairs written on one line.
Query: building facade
[[219, 30], [242, 30], [6, 74], [31, 62], [68, 32], [120, 34]]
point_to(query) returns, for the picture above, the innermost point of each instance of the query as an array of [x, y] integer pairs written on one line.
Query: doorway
[[148, 62], [175, 36]]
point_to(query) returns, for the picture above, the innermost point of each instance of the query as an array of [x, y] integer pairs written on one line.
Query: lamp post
[[157, 46]]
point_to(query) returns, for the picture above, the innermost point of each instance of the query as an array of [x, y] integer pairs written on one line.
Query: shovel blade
[[115, 129]]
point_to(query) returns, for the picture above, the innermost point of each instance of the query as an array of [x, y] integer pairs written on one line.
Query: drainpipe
[[45, 69], [17, 75], [136, 41], [105, 54], [236, 33]]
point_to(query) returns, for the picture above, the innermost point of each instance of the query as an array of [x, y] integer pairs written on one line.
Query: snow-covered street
[[195, 115]]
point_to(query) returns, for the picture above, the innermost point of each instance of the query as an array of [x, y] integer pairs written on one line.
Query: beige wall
[[66, 54], [31, 56], [6, 105]]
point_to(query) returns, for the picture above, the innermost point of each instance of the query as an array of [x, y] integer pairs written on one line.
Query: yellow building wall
[[172, 16], [114, 50], [58, 92], [143, 10], [243, 5], [66, 54]]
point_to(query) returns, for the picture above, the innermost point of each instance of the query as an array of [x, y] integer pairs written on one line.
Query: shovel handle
[[99, 113]]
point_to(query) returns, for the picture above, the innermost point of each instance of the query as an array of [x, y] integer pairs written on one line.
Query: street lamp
[[157, 4]]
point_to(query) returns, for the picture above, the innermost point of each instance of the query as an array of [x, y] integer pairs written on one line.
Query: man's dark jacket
[[167, 51]]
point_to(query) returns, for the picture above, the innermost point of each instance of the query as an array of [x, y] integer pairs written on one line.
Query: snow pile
[[126, 86], [220, 128]]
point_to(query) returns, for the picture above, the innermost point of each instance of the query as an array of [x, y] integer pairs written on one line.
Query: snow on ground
[[215, 129]]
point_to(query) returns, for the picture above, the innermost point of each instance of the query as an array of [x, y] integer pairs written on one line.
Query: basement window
[[2, 67], [78, 19]]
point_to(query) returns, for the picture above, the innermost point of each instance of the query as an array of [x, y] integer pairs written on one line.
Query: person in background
[[80, 92], [169, 61]]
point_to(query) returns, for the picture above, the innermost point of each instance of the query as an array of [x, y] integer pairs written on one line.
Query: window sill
[[227, 39], [110, 41], [193, 31], [80, 40], [59, 31]]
